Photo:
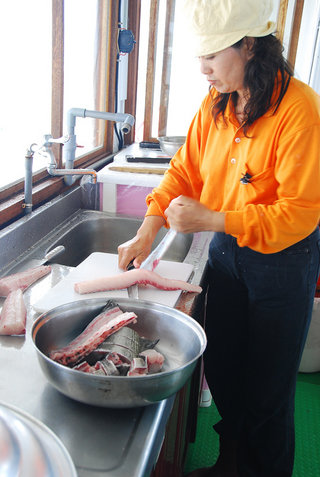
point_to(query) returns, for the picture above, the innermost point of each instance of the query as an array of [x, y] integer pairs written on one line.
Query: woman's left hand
[[187, 215]]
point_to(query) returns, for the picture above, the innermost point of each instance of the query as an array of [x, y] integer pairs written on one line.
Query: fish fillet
[[14, 314], [132, 277], [22, 280], [103, 325]]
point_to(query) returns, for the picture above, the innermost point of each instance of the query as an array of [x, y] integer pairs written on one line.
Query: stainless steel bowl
[[29, 448], [171, 144], [182, 342]]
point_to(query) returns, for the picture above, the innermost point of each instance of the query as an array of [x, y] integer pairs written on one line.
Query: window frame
[[46, 187]]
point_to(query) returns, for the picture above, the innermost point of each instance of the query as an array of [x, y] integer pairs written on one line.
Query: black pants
[[258, 313]]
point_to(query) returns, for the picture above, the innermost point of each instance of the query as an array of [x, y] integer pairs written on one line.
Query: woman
[[250, 172]]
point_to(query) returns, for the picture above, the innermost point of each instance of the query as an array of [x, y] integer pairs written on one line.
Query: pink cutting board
[[100, 264]]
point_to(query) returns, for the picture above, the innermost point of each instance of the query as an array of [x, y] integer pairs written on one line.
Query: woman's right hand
[[138, 248]]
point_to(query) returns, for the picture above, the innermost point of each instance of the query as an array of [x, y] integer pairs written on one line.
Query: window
[[85, 53], [170, 85], [59, 54], [25, 82]]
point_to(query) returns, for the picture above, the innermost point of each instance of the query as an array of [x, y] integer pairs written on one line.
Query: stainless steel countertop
[[102, 442]]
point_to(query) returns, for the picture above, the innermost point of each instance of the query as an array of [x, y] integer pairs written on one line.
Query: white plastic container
[[125, 192]]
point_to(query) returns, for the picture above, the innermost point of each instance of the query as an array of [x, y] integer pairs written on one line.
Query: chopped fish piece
[[98, 369], [126, 344], [108, 367], [14, 314], [107, 322], [138, 367], [22, 280], [115, 358], [84, 366], [154, 360], [133, 277]]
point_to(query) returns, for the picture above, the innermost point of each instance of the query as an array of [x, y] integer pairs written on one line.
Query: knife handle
[[131, 266]]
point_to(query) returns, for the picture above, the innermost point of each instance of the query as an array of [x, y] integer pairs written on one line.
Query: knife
[[35, 262], [155, 256], [152, 261]]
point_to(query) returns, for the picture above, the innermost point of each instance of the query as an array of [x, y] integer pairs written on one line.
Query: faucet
[[69, 141], [69, 149], [46, 149]]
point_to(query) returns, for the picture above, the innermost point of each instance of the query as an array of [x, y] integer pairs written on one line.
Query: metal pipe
[[27, 205], [73, 172], [126, 119], [69, 149]]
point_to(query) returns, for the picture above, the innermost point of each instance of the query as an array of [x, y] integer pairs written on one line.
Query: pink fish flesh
[[138, 367], [103, 325], [22, 280], [84, 367], [154, 360], [132, 277], [14, 314]]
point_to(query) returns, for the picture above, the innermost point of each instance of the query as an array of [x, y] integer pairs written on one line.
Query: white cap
[[218, 24]]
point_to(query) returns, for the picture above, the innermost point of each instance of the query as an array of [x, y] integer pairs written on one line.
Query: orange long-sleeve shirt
[[280, 205]]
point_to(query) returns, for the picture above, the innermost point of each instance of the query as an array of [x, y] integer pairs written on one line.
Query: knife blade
[[151, 262], [36, 262], [155, 256], [133, 291]]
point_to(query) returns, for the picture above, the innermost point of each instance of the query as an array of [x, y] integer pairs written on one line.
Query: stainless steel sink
[[98, 232]]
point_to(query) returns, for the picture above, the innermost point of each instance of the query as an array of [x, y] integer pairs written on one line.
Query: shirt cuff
[[234, 223], [153, 209]]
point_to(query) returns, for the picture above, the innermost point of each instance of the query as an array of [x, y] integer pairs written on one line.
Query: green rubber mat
[[204, 451]]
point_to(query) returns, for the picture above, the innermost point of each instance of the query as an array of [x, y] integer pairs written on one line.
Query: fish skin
[[22, 280], [125, 343], [132, 277], [108, 367], [92, 336], [14, 315]]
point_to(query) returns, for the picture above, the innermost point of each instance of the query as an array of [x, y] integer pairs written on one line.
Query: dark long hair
[[261, 79]]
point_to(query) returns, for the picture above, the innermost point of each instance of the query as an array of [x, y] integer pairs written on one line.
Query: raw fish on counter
[[106, 323], [22, 280], [13, 315], [133, 277]]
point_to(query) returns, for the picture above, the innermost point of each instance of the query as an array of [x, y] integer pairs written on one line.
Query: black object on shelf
[[149, 160], [149, 145]]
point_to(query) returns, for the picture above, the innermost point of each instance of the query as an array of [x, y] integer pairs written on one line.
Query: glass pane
[[142, 68], [187, 87], [85, 67], [25, 82]]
